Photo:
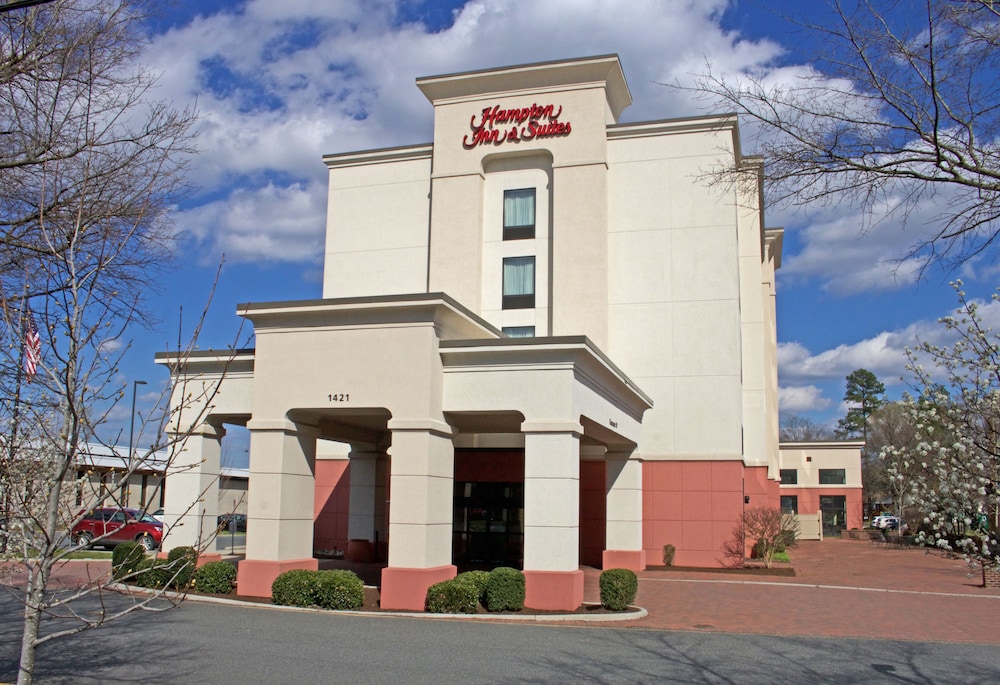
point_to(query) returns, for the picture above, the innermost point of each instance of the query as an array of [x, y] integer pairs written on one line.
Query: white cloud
[[884, 354], [802, 398], [280, 84], [269, 223]]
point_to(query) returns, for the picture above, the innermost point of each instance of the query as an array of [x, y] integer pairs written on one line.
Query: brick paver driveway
[[842, 588]]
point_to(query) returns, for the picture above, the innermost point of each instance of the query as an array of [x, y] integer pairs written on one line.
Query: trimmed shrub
[[181, 563], [477, 579], [294, 588], [152, 573], [338, 590], [125, 558], [618, 588], [505, 590], [668, 555], [215, 577], [452, 597]]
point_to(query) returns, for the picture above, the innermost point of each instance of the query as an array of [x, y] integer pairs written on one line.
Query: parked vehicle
[[158, 515], [107, 527], [882, 520], [894, 523], [239, 519]]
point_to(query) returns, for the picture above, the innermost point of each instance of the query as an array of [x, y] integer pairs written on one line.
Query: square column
[[553, 579], [623, 547], [422, 473], [366, 520], [191, 502], [279, 504]]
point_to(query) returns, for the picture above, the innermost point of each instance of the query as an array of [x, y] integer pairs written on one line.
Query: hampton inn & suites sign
[[496, 126]]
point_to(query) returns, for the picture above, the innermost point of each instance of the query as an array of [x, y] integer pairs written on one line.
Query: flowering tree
[[954, 466]]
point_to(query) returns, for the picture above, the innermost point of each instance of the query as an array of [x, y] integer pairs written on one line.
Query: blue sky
[[279, 84]]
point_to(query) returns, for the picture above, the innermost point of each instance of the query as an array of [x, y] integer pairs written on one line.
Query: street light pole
[[131, 441]]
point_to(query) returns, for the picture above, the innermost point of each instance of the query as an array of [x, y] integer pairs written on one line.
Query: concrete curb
[[638, 613]]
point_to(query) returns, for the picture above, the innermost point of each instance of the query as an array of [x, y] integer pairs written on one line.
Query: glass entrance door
[[488, 524], [834, 512]]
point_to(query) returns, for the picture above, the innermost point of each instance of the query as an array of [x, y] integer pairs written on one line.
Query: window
[[518, 282], [789, 477], [832, 477], [790, 503], [519, 214], [519, 331]]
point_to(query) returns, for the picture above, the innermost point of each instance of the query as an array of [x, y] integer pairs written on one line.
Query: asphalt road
[[208, 643]]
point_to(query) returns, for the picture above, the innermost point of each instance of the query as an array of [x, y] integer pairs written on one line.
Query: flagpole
[[14, 419]]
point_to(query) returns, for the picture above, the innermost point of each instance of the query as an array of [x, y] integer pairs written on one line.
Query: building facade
[[822, 481], [545, 340]]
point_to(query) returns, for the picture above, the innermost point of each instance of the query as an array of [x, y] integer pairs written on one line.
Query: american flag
[[32, 346]]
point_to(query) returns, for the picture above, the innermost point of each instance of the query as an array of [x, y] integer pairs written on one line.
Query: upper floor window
[[519, 214], [518, 282], [789, 476], [832, 477], [519, 331]]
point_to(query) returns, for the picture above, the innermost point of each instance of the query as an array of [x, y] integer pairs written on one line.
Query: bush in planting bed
[[452, 597], [294, 588], [338, 589], [125, 558], [215, 578], [181, 563], [618, 588], [505, 590]]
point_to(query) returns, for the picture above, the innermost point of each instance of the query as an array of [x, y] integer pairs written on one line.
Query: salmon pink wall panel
[[693, 505], [332, 503]]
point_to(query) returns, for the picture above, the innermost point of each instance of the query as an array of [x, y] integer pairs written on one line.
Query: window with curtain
[[519, 214], [519, 331], [518, 282]]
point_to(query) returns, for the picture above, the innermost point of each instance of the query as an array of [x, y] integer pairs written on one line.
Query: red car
[[107, 527]]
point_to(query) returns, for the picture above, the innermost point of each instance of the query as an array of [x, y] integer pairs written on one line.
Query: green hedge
[[341, 590], [181, 563], [452, 597], [505, 590], [152, 573], [125, 559], [294, 588], [478, 579], [327, 589], [618, 588], [215, 577]]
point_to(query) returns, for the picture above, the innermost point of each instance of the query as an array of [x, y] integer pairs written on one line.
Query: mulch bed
[[372, 604], [748, 570]]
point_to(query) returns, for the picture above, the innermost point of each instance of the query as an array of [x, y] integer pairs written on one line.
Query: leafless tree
[[90, 163], [898, 109], [795, 428], [764, 531]]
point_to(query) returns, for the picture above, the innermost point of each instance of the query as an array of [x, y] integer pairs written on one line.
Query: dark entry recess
[[488, 525]]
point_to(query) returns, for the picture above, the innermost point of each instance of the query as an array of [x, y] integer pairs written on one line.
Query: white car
[[882, 520], [886, 522]]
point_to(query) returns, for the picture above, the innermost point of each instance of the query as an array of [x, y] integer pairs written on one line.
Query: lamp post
[[131, 441]]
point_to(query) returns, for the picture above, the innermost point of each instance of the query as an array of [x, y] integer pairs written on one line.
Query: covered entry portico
[[405, 380]]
